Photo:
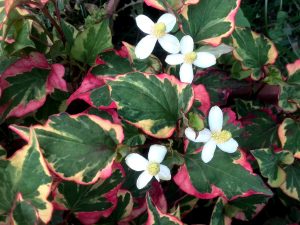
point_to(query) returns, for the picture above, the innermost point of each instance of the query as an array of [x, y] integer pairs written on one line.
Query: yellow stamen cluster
[[190, 57], [159, 30], [153, 168], [221, 137]]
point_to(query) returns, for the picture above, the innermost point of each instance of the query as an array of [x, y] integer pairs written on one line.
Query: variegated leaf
[[25, 182], [210, 20], [78, 148], [152, 103]]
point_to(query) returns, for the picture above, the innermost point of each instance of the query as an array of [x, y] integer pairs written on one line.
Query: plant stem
[[111, 7]]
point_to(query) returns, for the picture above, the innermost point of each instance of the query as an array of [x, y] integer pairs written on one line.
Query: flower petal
[[169, 20], [145, 47], [144, 23], [205, 59], [136, 162], [215, 119], [157, 153], [186, 73], [169, 43], [203, 135], [186, 44], [208, 151], [164, 173], [174, 59], [229, 146], [143, 179]]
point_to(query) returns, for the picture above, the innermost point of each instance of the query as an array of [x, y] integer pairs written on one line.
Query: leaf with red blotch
[[218, 85], [202, 99], [26, 83], [156, 216], [166, 5], [90, 202]]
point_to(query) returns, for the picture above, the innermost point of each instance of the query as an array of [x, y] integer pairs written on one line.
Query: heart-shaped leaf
[[78, 148], [289, 135], [152, 103], [253, 50], [211, 20]]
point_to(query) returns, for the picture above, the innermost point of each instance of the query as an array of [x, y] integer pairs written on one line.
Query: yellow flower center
[[153, 168], [190, 57], [159, 30], [221, 137]]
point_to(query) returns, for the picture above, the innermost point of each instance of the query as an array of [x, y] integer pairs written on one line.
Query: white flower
[[151, 167], [188, 57], [213, 137], [156, 31]]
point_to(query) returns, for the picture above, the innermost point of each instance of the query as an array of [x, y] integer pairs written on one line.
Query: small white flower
[[156, 32], [213, 137], [151, 167], [188, 57]]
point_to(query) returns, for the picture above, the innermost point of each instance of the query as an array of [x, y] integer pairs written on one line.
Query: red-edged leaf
[[94, 139], [26, 83], [165, 5], [156, 216], [152, 103], [202, 97], [210, 20]]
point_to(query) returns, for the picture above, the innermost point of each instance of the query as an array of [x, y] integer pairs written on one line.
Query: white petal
[[186, 44], [208, 151], [157, 153], [157, 177], [229, 146], [144, 23], [215, 119], [186, 73], [169, 43], [205, 59], [174, 59], [143, 179], [136, 162], [203, 135], [145, 47], [164, 173], [169, 20]]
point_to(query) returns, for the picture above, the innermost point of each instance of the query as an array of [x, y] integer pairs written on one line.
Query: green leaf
[[289, 135], [216, 20], [101, 96], [218, 217], [114, 65], [270, 165], [66, 140], [223, 172], [88, 198], [157, 217], [241, 20], [24, 213], [26, 87], [253, 50], [133, 136], [25, 175], [291, 186], [218, 85], [92, 41], [152, 103], [246, 208], [261, 132]]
